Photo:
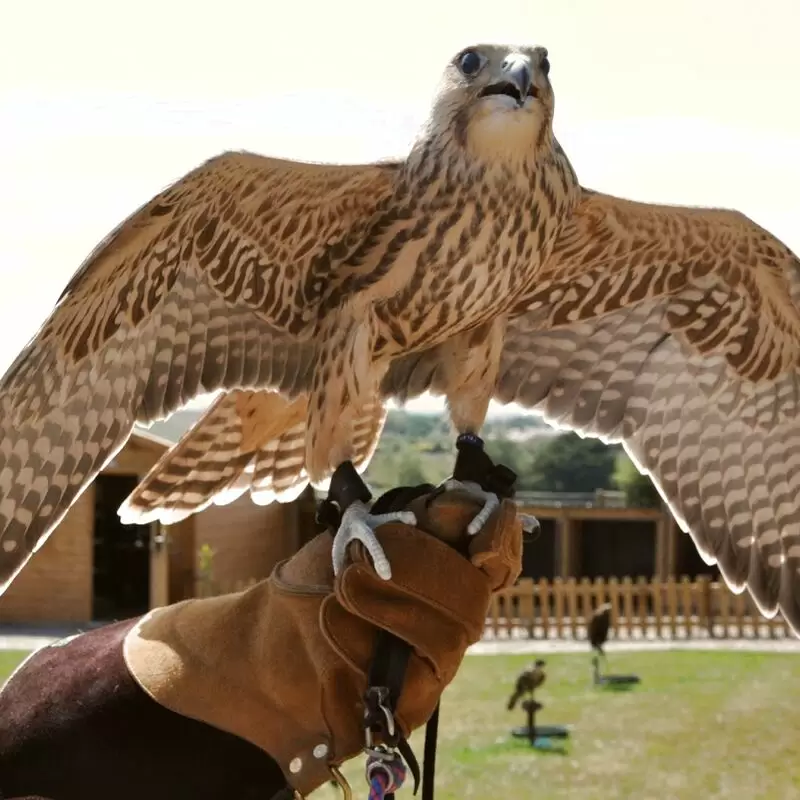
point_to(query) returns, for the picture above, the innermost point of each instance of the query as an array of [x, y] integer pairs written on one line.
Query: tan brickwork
[[56, 584], [248, 540]]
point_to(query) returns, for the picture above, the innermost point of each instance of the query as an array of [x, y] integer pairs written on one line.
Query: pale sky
[[102, 104]]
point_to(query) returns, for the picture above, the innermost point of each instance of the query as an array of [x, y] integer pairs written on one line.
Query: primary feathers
[[477, 268]]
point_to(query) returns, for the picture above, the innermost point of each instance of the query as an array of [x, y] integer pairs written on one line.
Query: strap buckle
[[378, 716]]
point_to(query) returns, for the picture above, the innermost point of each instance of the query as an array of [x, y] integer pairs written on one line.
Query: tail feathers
[[512, 701], [247, 441]]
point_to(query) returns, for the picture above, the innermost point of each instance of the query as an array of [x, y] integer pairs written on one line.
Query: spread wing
[[212, 284], [675, 331], [247, 441]]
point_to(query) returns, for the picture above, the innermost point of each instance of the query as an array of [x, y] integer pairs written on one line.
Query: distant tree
[[569, 463], [638, 488], [511, 454], [410, 471]]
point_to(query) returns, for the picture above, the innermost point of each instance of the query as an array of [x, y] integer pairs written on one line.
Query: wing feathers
[[684, 344], [677, 332], [213, 284], [247, 441]]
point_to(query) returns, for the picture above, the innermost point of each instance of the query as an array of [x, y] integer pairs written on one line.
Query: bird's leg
[[470, 364], [344, 377], [476, 474]]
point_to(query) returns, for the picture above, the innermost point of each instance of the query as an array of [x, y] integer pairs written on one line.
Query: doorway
[[539, 552], [121, 574]]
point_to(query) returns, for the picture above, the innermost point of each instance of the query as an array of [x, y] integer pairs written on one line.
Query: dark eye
[[546, 65], [470, 62]]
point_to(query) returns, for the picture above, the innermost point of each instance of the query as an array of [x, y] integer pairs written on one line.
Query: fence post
[[703, 594], [627, 597], [558, 596], [657, 605], [586, 602], [739, 611], [544, 607], [686, 603], [613, 598], [524, 592], [642, 597], [572, 604], [724, 606]]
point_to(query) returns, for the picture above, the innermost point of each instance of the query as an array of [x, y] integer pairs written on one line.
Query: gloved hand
[[285, 663]]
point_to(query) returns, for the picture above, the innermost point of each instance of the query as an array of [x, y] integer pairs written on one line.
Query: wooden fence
[[640, 610]]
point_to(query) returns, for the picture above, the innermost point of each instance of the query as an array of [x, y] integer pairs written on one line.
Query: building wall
[[247, 539], [56, 584], [181, 549]]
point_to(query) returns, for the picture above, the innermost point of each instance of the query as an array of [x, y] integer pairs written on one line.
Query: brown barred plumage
[[475, 268]]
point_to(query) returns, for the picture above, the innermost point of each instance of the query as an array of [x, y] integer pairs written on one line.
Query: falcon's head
[[496, 100]]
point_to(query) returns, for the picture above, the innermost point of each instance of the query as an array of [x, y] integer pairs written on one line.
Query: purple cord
[[378, 786]]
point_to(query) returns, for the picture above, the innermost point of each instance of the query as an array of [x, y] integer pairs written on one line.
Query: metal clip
[[377, 700], [378, 752]]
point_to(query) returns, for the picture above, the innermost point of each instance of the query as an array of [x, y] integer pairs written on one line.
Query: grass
[[710, 725], [700, 725], [8, 662]]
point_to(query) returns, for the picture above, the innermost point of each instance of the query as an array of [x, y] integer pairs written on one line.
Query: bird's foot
[[489, 499], [359, 525], [346, 511]]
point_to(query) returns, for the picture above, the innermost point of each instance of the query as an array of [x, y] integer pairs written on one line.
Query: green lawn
[[8, 662], [700, 725]]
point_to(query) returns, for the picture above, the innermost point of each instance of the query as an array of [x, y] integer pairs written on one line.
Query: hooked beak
[[516, 81]]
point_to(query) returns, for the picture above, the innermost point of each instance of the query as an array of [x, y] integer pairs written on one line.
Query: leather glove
[[285, 664]]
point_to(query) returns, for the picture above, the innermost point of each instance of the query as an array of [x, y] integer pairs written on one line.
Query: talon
[[359, 525], [490, 502]]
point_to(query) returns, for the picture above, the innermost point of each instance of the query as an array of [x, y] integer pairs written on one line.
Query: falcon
[[476, 268], [528, 681], [309, 280]]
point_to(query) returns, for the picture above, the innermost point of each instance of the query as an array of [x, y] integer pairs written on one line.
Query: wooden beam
[[621, 514], [564, 546], [671, 547], [660, 567]]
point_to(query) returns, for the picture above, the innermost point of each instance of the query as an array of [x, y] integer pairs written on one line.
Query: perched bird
[[528, 681], [598, 627], [253, 273], [476, 268]]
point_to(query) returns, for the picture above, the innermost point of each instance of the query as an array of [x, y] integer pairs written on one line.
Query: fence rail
[[641, 610]]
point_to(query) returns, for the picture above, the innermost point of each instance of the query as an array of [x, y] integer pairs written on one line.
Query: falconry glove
[[285, 664]]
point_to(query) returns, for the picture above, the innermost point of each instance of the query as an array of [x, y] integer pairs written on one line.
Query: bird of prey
[[598, 627], [528, 681], [478, 267], [308, 280]]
